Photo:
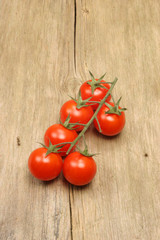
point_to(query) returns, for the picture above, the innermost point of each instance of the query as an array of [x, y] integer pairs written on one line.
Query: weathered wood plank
[[46, 47], [36, 61], [123, 202]]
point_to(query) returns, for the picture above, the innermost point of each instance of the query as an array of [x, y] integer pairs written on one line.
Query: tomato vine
[[66, 144]]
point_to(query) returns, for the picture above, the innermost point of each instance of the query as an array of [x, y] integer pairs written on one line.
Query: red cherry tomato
[[82, 115], [57, 133], [42, 167], [78, 169], [111, 124], [98, 94]]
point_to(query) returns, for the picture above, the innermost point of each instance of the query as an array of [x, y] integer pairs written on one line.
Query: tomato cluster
[[92, 105]]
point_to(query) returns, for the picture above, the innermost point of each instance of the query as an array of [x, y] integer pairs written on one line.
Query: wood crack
[[75, 28], [70, 187], [70, 208]]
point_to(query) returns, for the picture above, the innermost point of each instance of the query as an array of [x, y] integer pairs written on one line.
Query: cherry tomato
[[111, 124], [78, 169], [44, 167], [98, 94], [57, 133], [82, 115]]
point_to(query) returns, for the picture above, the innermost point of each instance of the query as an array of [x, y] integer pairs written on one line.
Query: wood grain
[[46, 49], [36, 60]]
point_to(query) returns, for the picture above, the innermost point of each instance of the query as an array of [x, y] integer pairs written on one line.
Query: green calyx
[[115, 109], [96, 83], [71, 126], [67, 124], [54, 148], [80, 102], [85, 151]]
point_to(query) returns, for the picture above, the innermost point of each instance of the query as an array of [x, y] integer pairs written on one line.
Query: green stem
[[98, 124], [62, 143], [93, 117], [113, 98], [105, 82], [94, 101], [82, 124]]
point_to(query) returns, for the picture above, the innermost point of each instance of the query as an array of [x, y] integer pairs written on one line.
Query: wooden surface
[[46, 49]]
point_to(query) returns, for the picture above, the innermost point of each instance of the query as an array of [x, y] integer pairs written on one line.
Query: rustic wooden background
[[46, 49]]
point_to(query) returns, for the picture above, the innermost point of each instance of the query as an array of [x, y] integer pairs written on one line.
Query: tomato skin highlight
[[82, 115], [78, 169], [42, 167], [57, 133], [98, 94], [111, 124]]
